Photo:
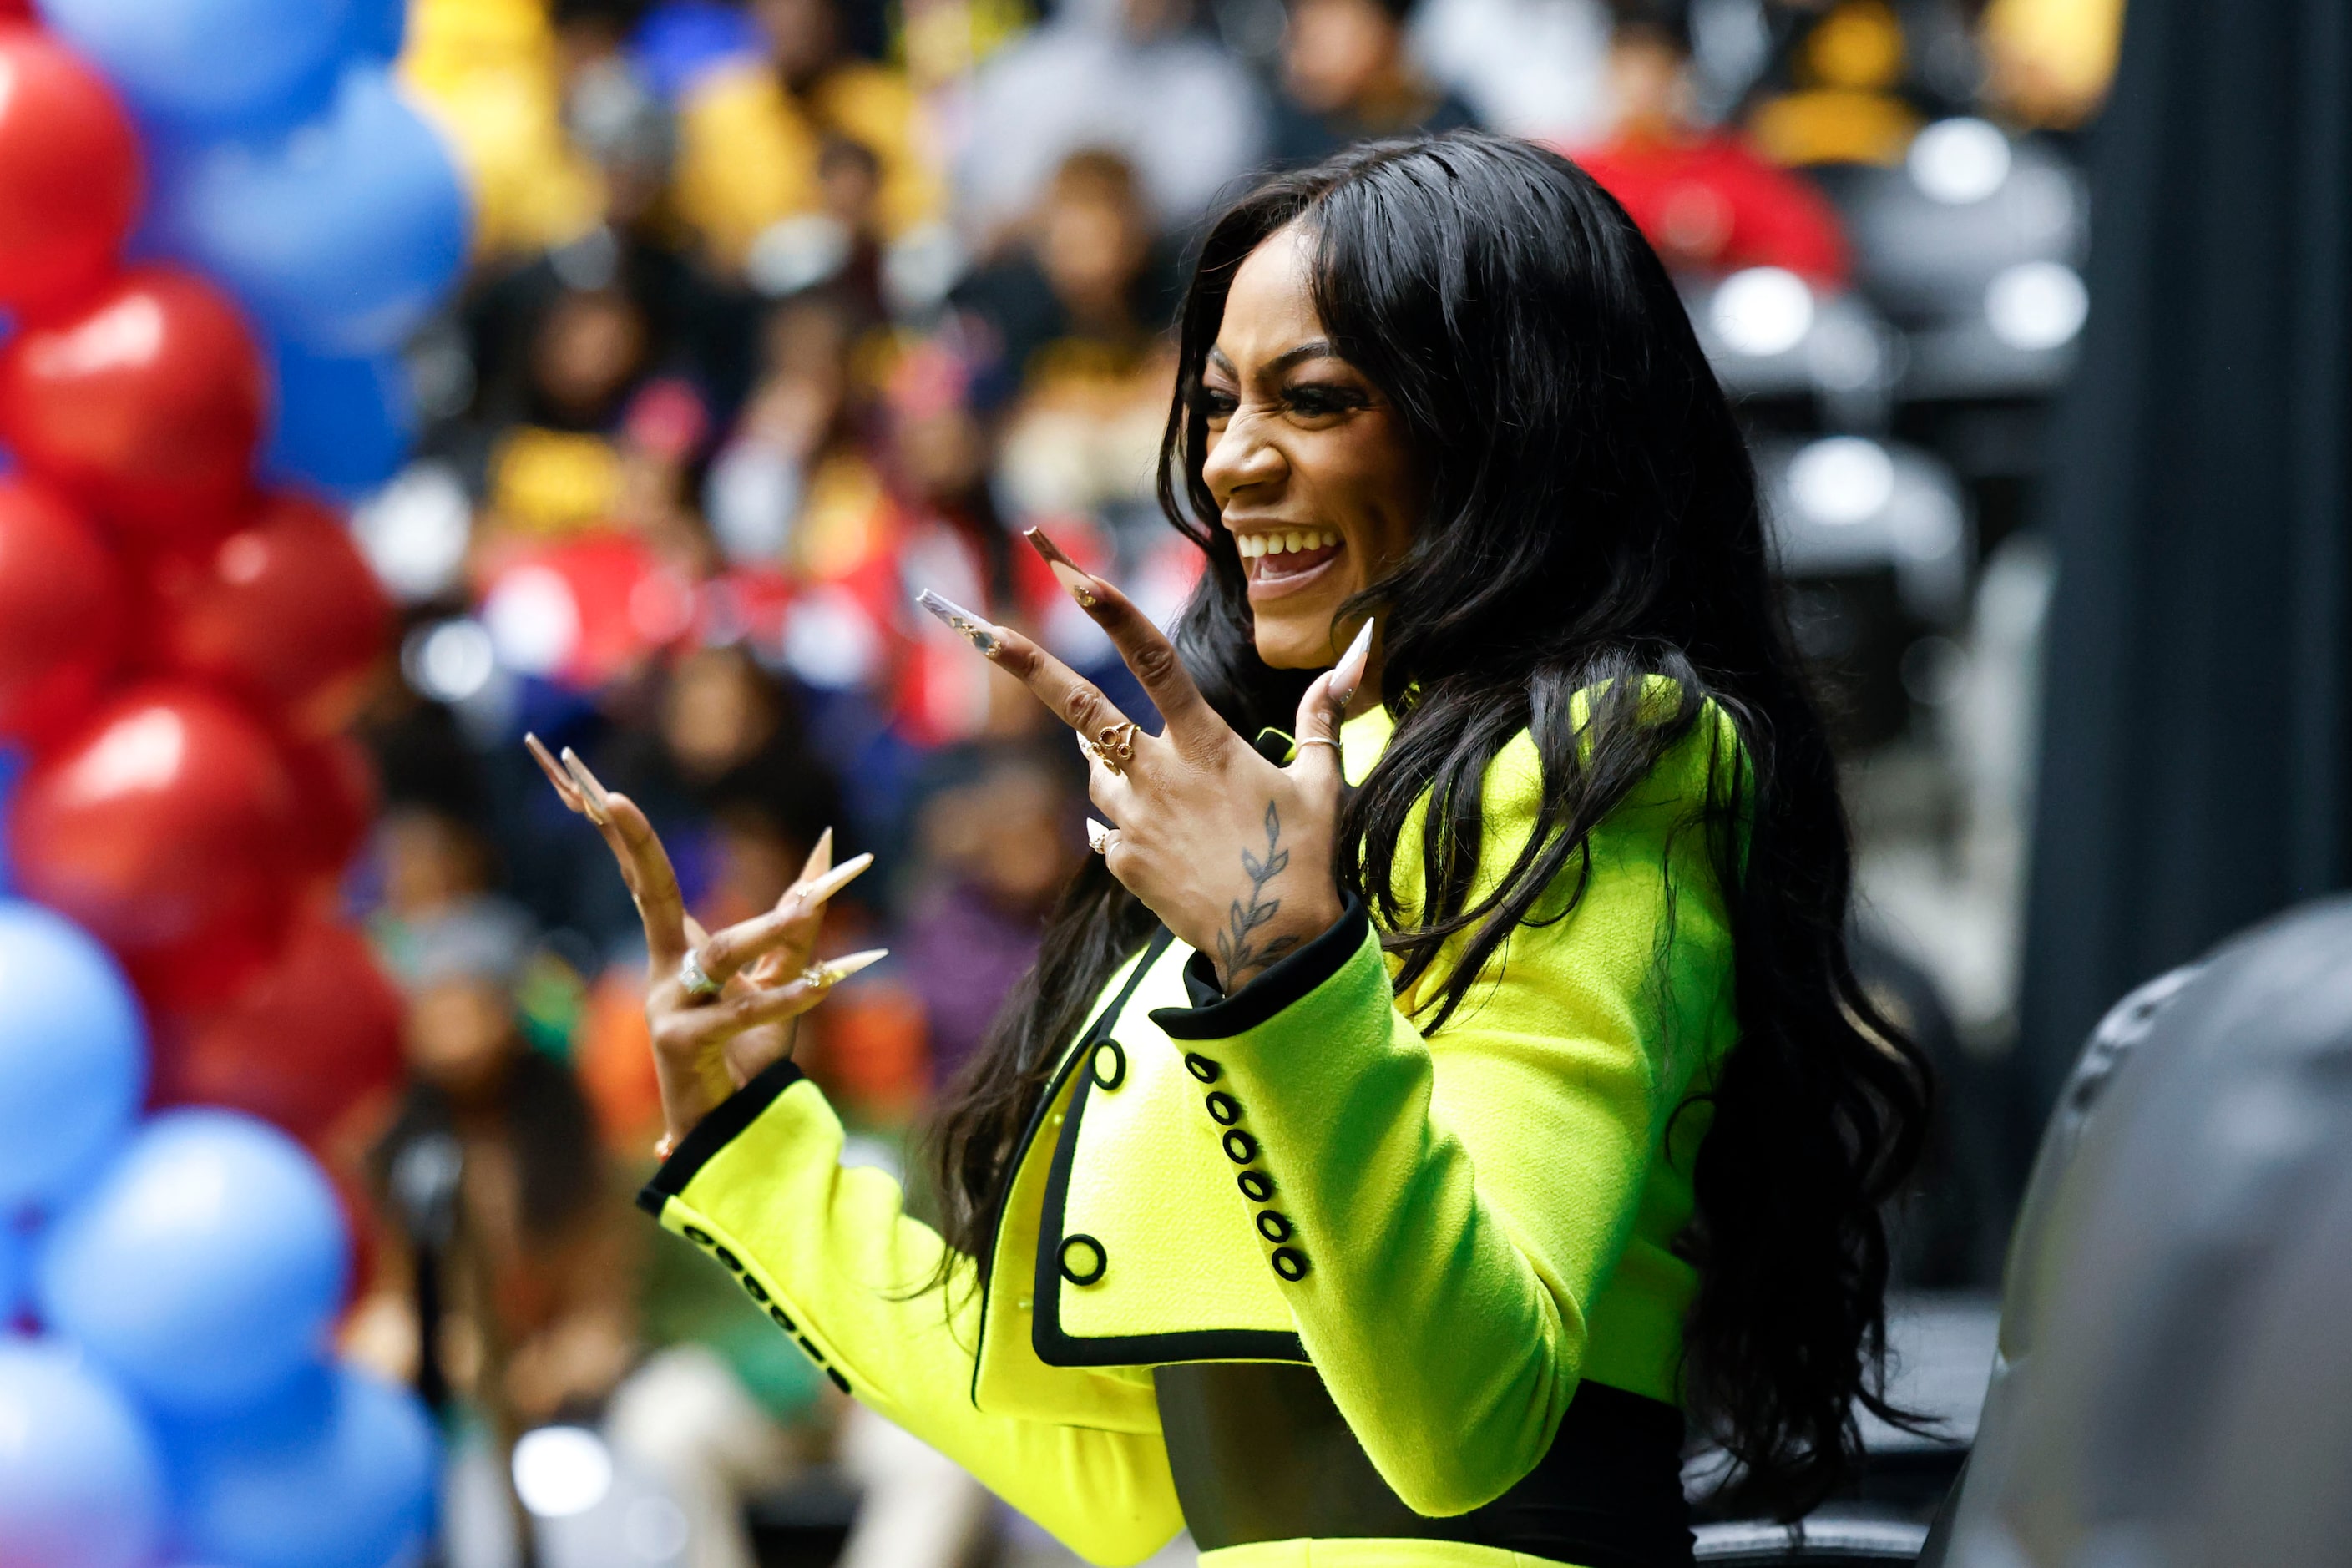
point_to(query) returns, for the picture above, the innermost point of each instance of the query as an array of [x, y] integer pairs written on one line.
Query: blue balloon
[[205, 1266], [208, 67], [344, 425], [15, 1273], [81, 1483], [337, 1473], [376, 30], [340, 236], [73, 1055]]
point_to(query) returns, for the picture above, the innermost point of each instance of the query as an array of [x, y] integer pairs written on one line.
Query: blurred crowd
[[783, 310]]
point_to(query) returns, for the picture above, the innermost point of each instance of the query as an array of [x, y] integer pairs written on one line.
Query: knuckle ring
[[695, 978], [1117, 741]]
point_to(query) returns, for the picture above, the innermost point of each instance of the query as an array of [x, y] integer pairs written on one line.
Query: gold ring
[[1110, 764], [1119, 739]]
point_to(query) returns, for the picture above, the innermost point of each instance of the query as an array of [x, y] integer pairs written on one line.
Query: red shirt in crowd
[[1709, 203]]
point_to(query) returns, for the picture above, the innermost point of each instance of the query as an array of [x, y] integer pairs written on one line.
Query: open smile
[[1284, 562]]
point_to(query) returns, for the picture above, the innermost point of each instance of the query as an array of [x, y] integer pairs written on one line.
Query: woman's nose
[[1239, 457]]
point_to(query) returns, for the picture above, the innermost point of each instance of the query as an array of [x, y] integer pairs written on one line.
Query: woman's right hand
[[708, 1046]]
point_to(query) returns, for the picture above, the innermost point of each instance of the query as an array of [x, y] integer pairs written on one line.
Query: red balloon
[[166, 826], [335, 801], [304, 1042], [285, 611], [147, 403], [70, 174], [62, 619]]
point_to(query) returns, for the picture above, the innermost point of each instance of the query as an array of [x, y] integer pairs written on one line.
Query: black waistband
[[1260, 1453]]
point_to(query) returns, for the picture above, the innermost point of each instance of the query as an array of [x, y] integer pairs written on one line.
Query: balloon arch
[[220, 221]]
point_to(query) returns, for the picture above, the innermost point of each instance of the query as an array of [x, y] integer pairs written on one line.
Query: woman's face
[[1306, 458]]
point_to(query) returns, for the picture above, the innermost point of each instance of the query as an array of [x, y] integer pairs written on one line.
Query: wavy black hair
[[1592, 521]]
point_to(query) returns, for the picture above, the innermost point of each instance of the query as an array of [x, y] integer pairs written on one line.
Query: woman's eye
[[1215, 405], [1316, 400]]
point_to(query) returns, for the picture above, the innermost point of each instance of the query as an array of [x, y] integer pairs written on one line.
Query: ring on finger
[[1116, 742], [1111, 762], [696, 979]]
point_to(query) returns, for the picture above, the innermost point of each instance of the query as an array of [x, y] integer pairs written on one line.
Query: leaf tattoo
[[1235, 951]]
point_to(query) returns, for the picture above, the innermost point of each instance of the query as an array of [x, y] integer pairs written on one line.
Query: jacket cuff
[[725, 1123], [1213, 1016]]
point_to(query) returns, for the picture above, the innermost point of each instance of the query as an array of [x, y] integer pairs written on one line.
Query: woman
[[1375, 1174]]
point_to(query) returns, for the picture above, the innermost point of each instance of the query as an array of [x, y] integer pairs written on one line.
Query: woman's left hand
[[1230, 851]]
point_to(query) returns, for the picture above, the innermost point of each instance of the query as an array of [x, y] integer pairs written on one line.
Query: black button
[[1239, 1147], [1224, 1107], [1202, 1067], [700, 1237], [783, 1321], [814, 1355], [1090, 1252], [839, 1382], [1273, 1226], [1290, 1263], [1256, 1186], [757, 1291], [727, 1260], [1108, 1053]]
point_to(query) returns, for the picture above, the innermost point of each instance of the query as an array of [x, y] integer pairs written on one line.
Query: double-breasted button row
[[1241, 1147], [759, 1292]]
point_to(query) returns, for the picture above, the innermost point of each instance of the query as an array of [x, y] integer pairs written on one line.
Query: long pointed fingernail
[[833, 881], [1098, 835], [833, 971], [555, 773], [1348, 673], [1066, 572], [591, 792], [820, 859], [981, 634]]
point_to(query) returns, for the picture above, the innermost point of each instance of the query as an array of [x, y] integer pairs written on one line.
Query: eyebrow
[[1314, 348]]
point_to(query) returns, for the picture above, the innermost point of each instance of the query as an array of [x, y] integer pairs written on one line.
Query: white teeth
[[1254, 545]]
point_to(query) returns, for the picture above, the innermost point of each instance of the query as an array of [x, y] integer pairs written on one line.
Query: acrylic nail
[[979, 633], [1098, 835], [565, 790], [820, 859], [833, 971], [591, 792], [1066, 572], [1348, 673], [814, 895]]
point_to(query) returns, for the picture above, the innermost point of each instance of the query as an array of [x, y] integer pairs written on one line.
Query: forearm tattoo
[[1236, 953]]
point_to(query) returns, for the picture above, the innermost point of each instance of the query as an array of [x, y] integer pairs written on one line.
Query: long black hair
[[1592, 521]]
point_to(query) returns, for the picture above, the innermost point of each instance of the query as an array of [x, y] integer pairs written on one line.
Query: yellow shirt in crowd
[[748, 151]]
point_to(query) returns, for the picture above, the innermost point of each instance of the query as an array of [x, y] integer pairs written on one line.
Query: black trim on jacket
[[1055, 1348], [725, 1123], [1213, 1016]]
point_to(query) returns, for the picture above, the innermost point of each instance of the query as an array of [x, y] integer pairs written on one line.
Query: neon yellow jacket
[[1454, 1231]]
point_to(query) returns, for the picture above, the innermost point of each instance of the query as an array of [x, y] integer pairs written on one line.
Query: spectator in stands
[[996, 844], [723, 732], [590, 430], [1844, 103], [1089, 287], [794, 449], [752, 135], [526, 1259], [1348, 77], [1130, 76], [1702, 195]]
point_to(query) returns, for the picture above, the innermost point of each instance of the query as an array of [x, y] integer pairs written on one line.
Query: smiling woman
[[1414, 1116]]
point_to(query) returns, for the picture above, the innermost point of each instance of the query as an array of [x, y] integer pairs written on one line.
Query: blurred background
[[618, 369]]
